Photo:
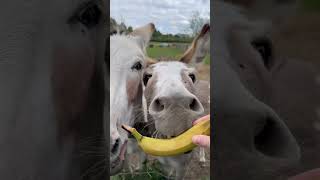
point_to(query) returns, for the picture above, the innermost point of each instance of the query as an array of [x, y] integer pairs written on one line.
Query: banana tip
[[127, 128]]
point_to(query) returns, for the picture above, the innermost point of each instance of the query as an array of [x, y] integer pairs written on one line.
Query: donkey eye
[[193, 77], [90, 15], [137, 66], [146, 78], [264, 47]]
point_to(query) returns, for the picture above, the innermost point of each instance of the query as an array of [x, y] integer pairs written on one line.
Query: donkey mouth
[[117, 163], [123, 150]]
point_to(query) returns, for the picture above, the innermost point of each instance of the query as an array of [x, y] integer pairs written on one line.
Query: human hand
[[201, 140]]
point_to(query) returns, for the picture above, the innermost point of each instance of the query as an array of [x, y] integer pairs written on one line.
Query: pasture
[[159, 50]]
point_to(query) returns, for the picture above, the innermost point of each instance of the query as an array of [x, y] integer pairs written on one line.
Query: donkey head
[[127, 60], [171, 90], [243, 120]]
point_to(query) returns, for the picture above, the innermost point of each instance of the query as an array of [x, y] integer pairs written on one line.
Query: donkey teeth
[[173, 146]]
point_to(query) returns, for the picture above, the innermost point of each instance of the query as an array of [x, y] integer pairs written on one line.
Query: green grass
[[157, 52], [149, 172], [207, 59], [168, 52]]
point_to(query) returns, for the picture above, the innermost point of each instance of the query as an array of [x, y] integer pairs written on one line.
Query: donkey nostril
[[272, 139], [157, 105], [194, 105], [265, 138], [115, 147]]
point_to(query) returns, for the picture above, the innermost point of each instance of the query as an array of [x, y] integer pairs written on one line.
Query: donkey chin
[[117, 160], [117, 152]]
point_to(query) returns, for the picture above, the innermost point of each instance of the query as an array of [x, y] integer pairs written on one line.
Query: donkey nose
[[163, 103], [272, 138]]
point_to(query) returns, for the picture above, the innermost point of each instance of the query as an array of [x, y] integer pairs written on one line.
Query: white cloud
[[169, 16]]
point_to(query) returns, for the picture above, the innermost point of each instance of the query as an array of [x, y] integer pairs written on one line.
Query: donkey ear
[[199, 48], [144, 34]]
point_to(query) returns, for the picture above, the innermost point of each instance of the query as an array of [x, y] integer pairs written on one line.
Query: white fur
[[125, 51], [169, 80], [144, 106]]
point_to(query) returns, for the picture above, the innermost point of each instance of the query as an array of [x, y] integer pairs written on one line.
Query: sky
[[169, 16]]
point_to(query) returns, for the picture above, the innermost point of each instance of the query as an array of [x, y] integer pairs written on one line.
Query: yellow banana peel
[[170, 147]]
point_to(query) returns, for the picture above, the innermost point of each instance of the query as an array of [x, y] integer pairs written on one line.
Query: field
[[170, 52]]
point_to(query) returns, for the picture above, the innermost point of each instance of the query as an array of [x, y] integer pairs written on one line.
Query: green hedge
[[172, 40]]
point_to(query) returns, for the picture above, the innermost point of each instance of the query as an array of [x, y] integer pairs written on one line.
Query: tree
[[157, 33], [196, 22], [130, 29]]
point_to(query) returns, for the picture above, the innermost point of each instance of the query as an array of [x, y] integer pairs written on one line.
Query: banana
[[170, 147]]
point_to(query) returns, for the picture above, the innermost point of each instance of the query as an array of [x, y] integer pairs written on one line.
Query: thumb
[[201, 140]]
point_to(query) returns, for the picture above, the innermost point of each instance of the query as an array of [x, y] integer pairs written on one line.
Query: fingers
[[201, 119], [201, 140]]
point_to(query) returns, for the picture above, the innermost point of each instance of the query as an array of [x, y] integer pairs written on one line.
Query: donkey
[[127, 61], [175, 98], [244, 50], [52, 93]]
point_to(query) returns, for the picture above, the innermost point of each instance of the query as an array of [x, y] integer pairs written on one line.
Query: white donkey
[[127, 61], [174, 97]]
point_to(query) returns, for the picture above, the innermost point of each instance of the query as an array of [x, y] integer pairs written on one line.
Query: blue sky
[[169, 16]]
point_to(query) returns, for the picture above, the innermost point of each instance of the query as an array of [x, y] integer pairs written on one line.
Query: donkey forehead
[[169, 73], [170, 68]]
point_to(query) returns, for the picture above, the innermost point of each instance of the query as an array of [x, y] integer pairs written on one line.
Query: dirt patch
[[198, 170]]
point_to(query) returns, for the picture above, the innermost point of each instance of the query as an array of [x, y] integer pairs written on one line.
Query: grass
[[207, 59], [149, 172], [168, 52], [164, 52]]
